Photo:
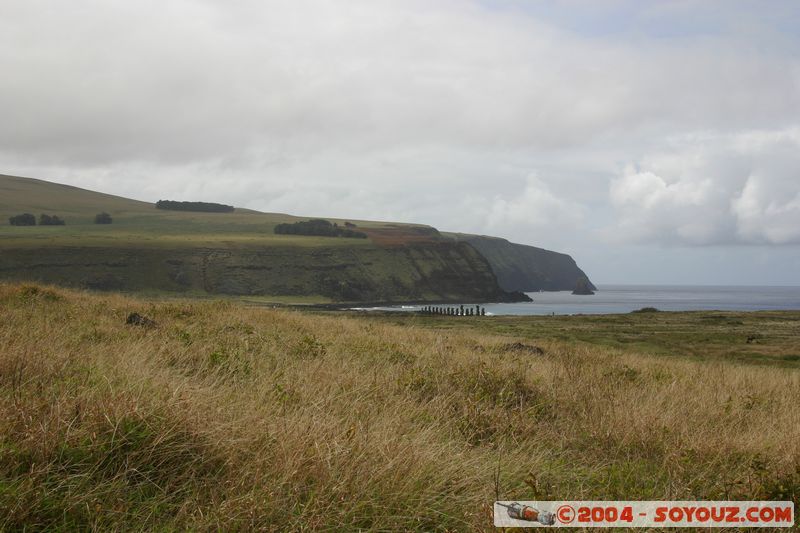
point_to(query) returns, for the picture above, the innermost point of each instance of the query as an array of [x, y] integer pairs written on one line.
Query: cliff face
[[437, 271], [526, 268]]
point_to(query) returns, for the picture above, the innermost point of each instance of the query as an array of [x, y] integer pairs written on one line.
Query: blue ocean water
[[626, 298]]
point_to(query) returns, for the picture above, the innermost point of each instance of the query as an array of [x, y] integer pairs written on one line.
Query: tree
[[102, 218], [25, 219]]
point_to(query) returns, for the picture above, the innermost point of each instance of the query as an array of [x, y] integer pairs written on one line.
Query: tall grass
[[229, 417]]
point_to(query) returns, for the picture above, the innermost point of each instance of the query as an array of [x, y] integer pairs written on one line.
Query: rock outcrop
[[582, 288]]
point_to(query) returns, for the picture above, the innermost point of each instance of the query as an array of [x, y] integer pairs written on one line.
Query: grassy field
[[228, 417], [764, 338]]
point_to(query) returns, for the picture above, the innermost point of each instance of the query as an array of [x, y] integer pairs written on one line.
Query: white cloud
[[765, 215], [534, 209], [714, 189]]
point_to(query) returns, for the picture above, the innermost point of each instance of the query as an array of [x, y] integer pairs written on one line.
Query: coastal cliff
[[519, 267], [443, 271]]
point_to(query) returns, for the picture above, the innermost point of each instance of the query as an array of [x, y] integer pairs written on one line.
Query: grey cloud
[[187, 80]]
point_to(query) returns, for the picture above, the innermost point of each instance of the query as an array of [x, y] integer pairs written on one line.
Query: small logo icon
[[517, 511], [565, 514]]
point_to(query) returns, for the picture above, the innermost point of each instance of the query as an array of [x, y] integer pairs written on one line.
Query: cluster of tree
[[204, 207], [102, 218], [25, 219], [50, 220], [318, 227]]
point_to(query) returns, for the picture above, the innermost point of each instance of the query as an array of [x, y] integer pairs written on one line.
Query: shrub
[[25, 219], [50, 220], [102, 218], [318, 227], [204, 207]]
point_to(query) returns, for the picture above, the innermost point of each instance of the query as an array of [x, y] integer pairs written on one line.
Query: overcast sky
[[656, 142]]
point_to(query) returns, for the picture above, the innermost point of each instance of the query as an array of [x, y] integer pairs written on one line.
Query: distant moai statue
[[461, 310], [483, 311], [477, 309]]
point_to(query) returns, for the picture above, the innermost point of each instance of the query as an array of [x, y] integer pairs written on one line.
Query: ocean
[[626, 298]]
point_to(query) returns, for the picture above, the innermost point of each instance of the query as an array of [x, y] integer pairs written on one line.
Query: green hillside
[[153, 250], [134, 221], [238, 253]]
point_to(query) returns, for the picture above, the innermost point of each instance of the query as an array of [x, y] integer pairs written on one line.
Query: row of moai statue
[[455, 311]]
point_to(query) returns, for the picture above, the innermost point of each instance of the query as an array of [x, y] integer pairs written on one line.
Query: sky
[[655, 142]]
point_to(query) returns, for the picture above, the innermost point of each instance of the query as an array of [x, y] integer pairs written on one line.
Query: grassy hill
[[152, 250], [226, 417], [134, 221]]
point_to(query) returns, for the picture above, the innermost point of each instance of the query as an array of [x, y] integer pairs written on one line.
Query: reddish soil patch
[[395, 235]]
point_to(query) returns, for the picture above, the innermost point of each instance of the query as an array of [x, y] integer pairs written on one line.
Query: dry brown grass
[[228, 417]]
